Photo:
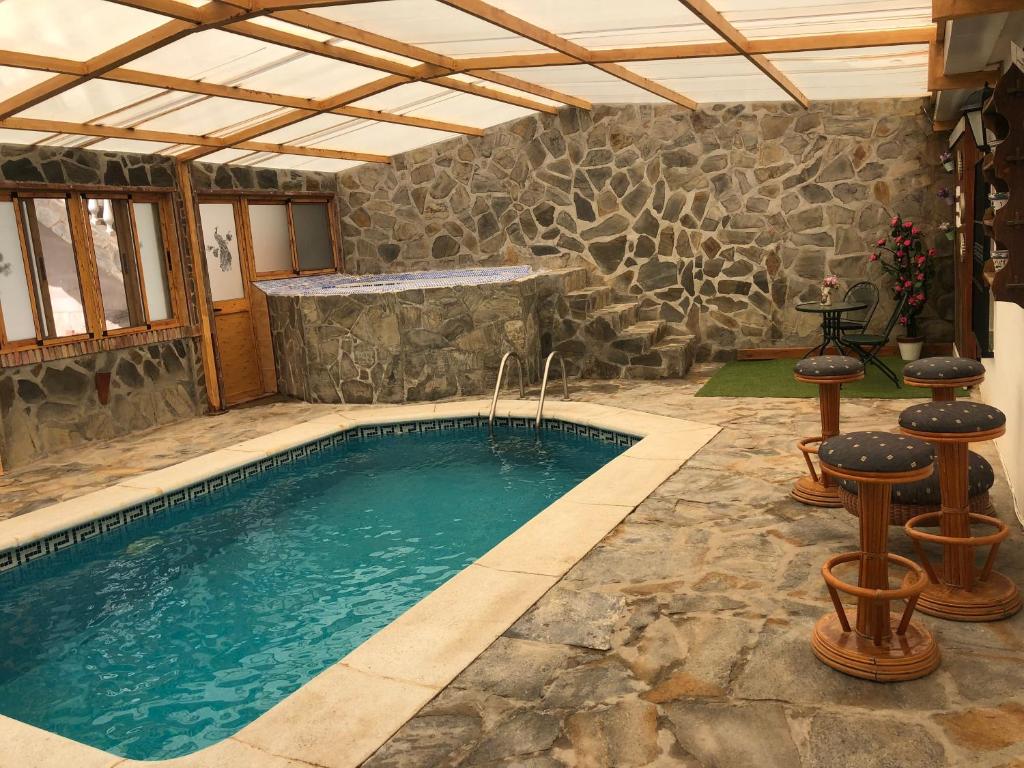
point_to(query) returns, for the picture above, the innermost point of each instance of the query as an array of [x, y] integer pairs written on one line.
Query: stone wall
[[53, 406], [721, 219]]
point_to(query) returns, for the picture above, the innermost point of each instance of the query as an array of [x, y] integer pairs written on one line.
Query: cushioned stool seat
[[828, 366], [959, 592], [961, 417], [829, 372], [943, 375], [912, 499], [875, 644]]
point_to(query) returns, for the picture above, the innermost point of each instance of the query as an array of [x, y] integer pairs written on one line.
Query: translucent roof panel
[[309, 130], [91, 101], [220, 57], [312, 34], [432, 25], [599, 25], [858, 73], [587, 82], [225, 156], [13, 81], [213, 116], [133, 146], [8, 136], [720, 79], [788, 18], [71, 29], [436, 103], [303, 163]]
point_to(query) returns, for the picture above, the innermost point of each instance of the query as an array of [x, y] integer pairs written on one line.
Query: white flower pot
[[910, 349], [948, 165]]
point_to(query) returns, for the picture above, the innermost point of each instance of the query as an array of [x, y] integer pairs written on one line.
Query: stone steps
[[588, 300], [606, 323], [670, 358], [640, 337]]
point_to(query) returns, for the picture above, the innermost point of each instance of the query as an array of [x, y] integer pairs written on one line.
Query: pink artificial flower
[[921, 260], [915, 231], [919, 276], [906, 283], [931, 251], [920, 297], [881, 241], [898, 288], [903, 319], [907, 243], [874, 257], [894, 220], [908, 224]]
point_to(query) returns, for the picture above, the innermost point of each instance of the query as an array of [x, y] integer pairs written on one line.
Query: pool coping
[[344, 714]]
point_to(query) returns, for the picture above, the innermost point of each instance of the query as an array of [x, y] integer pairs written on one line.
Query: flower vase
[[826, 296], [950, 235], [948, 165]]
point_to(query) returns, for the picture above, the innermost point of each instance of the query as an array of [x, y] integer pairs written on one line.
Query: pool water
[[175, 632]]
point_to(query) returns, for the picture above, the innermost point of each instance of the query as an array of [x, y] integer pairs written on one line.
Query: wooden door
[[229, 286]]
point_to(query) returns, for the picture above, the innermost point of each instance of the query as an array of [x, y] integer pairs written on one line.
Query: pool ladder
[[522, 392]]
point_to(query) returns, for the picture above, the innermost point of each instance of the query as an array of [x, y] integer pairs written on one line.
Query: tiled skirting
[[13, 558]]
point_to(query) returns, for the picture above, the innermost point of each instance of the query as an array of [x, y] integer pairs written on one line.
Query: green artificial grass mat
[[774, 378]]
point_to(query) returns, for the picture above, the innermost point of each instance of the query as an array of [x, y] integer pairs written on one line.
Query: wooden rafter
[[446, 63], [830, 42], [948, 10], [209, 143], [581, 55], [139, 46], [136, 77], [706, 13]]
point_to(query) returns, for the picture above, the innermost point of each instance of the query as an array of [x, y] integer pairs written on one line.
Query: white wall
[[1004, 388]]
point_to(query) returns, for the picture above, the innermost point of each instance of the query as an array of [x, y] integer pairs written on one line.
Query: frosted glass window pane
[[312, 236], [58, 293], [152, 253], [220, 241], [14, 290], [271, 245], [113, 243]]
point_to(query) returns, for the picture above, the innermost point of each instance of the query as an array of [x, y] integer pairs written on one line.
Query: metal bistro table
[[830, 331]]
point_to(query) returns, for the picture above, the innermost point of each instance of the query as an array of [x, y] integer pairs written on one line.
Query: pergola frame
[[237, 17]]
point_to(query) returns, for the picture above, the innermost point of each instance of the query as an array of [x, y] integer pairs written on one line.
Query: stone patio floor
[[681, 639]]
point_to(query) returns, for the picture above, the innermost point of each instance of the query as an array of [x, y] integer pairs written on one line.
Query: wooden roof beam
[[119, 55], [523, 28], [209, 143], [948, 10], [424, 55], [911, 36], [938, 80], [706, 13], [136, 77], [238, 138]]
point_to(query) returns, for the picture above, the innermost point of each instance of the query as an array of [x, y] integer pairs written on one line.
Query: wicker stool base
[[900, 513], [809, 491], [994, 599], [907, 657]]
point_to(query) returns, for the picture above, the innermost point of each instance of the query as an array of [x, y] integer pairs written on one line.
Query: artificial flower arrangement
[[947, 229], [902, 254], [830, 282], [946, 158]]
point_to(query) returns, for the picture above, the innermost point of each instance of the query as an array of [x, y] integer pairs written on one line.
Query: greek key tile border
[[26, 553]]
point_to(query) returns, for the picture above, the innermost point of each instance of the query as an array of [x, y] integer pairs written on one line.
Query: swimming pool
[[173, 633]]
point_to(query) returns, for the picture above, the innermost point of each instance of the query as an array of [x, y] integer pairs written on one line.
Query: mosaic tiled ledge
[[13, 558], [342, 284]]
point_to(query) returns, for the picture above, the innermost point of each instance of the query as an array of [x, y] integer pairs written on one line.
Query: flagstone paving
[[682, 639]]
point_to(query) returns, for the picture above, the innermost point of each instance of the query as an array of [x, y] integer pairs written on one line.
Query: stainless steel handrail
[[544, 384], [497, 384]]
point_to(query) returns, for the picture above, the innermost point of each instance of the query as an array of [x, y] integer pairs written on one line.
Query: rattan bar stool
[[829, 372], [943, 375], [957, 591], [866, 644]]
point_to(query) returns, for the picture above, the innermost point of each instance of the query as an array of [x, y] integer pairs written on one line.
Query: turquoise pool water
[[177, 631]]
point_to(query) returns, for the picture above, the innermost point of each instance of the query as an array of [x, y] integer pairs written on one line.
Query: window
[[290, 238], [75, 265]]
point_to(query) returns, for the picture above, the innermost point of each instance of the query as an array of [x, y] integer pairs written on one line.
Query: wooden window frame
[[242, 201], [85, 261]]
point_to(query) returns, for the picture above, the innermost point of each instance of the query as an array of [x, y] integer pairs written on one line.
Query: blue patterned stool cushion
[[876, 452], [828, 365], [938, 368], [980, 478], [960, 417]]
